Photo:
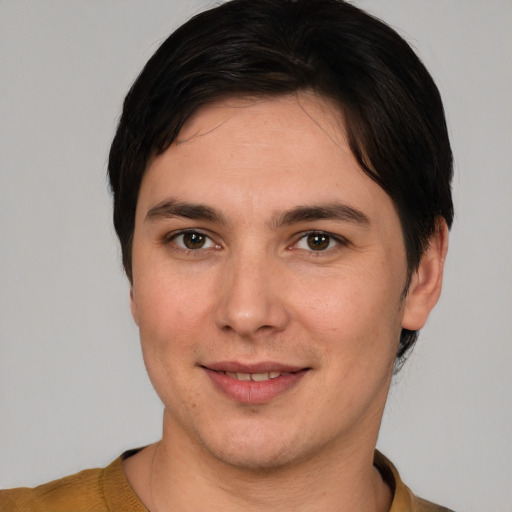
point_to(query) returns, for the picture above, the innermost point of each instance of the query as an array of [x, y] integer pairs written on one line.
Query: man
[[281, 179]]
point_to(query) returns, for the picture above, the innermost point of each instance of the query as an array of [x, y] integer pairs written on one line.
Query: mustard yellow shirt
[[107, 490]]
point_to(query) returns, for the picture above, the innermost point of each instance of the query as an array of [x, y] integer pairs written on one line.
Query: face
[[268, 273]]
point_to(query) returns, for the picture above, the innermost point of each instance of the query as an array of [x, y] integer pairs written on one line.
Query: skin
[[258, 289]]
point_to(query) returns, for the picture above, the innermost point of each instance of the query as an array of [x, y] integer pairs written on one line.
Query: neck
[[180, 475]]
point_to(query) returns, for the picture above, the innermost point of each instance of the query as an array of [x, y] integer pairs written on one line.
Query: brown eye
[[318, 242], [193, 240]]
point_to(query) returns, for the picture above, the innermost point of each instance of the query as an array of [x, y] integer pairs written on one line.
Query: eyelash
[[181, 247], [328, 237], [337, 240]]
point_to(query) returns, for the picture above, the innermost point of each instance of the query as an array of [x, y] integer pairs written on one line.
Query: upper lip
[[261, 367]]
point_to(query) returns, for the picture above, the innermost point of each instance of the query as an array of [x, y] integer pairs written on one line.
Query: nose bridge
[[249, 300]]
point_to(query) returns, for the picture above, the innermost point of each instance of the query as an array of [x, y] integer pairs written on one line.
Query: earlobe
[[133, 306], [427, 280]]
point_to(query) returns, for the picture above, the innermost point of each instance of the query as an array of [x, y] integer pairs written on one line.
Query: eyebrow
[[173, 208], [330, 211], [170, 208]]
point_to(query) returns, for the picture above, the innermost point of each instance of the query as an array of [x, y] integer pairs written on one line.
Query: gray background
[[73, 390]]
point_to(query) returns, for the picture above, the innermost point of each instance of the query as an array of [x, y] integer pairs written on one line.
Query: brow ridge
[[170, 208], [329, 211]]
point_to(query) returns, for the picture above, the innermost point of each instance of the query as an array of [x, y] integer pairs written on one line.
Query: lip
[[261, 367], [252, 392]]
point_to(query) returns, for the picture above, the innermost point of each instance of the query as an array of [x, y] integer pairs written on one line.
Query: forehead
[[274, 153], [304, 109]]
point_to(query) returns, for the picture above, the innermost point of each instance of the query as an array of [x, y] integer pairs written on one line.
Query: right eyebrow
[[170, 208]]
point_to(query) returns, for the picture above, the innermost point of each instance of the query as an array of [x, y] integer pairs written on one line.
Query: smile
[[254, 384], [256, 377]]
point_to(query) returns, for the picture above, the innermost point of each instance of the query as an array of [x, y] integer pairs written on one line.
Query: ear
[[133, 306], [427, 280]]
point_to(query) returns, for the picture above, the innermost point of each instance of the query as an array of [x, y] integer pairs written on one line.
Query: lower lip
[[252, 392]]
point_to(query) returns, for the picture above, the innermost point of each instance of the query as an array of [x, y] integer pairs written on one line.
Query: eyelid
[[338, 239], [171, 237]]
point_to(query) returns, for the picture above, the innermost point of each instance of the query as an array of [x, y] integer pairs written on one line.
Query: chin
[[260, 450], [256, 460]]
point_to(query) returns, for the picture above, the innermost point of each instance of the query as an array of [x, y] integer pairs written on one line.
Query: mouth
[[255, 383], [255, 377]]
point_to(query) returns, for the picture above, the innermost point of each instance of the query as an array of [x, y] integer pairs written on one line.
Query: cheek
[[169, 302], [356, 312], [171, 318], [172, 321]]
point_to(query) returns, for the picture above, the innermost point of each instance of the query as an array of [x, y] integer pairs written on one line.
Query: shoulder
[[427, 506], [101, 490], [403, 498], [81, 491]]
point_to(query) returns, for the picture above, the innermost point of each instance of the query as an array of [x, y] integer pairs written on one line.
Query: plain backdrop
[[73, 389]]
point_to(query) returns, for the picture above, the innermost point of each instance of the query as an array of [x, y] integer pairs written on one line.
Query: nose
[[251, 299]]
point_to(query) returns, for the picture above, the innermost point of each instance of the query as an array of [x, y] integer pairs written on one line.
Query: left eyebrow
[[330, 211]]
